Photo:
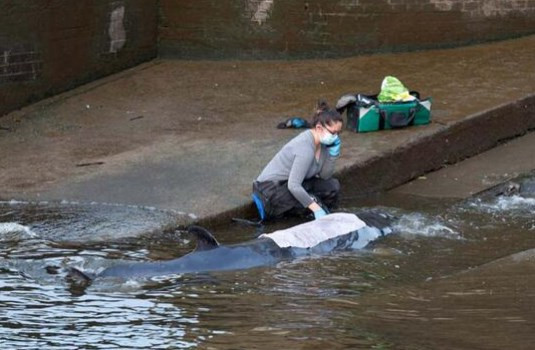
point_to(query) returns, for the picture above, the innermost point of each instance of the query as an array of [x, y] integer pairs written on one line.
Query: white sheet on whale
[[312, 233]]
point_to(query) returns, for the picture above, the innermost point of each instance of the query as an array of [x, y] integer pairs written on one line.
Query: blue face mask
[[327, 138]]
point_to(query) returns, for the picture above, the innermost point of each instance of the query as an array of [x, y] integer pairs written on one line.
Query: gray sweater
[[296, 162]]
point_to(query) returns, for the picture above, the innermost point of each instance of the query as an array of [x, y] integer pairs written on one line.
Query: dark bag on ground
[[365, 113]]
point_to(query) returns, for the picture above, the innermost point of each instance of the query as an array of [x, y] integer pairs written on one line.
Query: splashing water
[[421, 225], [518, 205], [12, 232]]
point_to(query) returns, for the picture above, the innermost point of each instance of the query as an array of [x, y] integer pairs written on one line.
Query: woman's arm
[[299, 169], [327, 170], [331, 154]]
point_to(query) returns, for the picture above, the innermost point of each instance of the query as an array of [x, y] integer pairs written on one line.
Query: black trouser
[[278, 200]]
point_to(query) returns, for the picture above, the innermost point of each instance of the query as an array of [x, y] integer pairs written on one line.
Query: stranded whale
[[339, 231]]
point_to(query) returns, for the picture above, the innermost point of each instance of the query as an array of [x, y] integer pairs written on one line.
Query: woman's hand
[[317, 210], [319, 213], [334, 148]]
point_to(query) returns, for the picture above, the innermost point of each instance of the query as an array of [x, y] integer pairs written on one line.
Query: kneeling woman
[[300, 174]]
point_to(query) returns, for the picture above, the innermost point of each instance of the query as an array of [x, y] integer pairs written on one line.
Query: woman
[[300, 174]]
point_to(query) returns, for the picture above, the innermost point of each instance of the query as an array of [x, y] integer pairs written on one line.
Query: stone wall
[[333, 28], [47, 47]]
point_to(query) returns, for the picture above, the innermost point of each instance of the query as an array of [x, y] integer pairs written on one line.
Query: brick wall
[[333, 28], [20, 63], [50, 46]]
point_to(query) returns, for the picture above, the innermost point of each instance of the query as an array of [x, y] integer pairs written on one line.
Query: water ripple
[[49, 317]]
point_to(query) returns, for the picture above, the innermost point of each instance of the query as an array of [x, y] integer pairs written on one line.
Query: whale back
[[312, 233], [334, 232]]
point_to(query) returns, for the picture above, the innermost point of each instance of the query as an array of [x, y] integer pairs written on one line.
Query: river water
[[453, 277]]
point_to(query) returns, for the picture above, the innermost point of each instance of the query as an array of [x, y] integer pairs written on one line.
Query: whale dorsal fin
[[205, 240]]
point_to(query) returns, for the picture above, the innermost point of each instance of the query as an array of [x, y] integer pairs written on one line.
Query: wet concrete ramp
[[477, 174], [190, 136]]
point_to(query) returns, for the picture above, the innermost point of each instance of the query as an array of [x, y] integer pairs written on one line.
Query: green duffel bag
[[365, 113]]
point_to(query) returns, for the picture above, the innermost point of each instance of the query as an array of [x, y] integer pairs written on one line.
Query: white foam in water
[[512, 203], [418, 224], [13, 202], [10, 231]]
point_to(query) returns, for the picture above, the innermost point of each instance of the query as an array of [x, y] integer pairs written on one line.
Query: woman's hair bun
[[325, 115], [322, 106]]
